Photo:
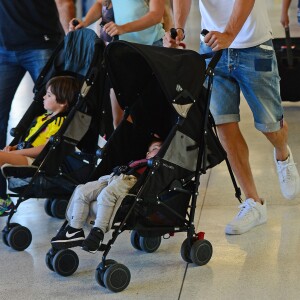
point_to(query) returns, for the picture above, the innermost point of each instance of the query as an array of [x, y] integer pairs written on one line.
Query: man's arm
[[284, 19], [66, 10], [241, 11], [181, 10]]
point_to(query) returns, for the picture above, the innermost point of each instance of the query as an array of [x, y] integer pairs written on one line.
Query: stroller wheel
[[65, 262], [185, 251], [58, 208], [150, 244], [5, 232], [201, 252], [99, 273], [19, 237], [4, 238], [116, 277], [49, 259], [135, 240], [47, 206]]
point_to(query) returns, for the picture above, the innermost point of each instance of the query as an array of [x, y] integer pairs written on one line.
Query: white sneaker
[[251, 214], [288, 176]]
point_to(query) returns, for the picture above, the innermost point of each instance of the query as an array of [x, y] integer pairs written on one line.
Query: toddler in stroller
[[60, 93], [108, 190]]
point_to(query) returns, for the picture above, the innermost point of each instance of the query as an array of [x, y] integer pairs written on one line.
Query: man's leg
[[11, 76], [253, 210], [279, 141], [34, 61], [238, 155], [289, 178]]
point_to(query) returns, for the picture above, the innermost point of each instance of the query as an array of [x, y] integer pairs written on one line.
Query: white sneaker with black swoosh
[[68, 237]]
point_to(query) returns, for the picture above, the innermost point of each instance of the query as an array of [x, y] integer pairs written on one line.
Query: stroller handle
[[214, 57], [173, 33]]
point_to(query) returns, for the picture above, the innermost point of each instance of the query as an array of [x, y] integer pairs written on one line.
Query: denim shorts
[[254, 72]]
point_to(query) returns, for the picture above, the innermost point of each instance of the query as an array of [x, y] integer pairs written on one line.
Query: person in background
[[60, 93], [137, 21], [284, 20], [248, 64], [29, 32]]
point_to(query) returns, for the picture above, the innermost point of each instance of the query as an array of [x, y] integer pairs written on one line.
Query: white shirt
[[256, 30]]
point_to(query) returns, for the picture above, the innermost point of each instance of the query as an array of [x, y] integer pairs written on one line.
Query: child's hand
[[9, 148], [113, 29]]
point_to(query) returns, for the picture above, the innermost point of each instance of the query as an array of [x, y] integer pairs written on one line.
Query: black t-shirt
[[29, 24]]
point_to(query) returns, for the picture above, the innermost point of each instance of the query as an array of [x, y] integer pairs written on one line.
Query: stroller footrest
[[18, 171]]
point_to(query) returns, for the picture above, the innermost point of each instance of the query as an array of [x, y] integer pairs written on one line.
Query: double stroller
[[69, 158], [163, 92]]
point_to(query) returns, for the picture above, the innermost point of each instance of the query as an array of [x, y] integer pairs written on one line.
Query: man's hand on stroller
[[75, 24]]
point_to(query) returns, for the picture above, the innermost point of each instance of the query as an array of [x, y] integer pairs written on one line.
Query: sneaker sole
[[88, 250], [67, 244], [292, 197], [231, 231]]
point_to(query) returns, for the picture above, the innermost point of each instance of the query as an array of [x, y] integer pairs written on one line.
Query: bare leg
[[238, 155], [279, 141], [117, 111], [13, 159]]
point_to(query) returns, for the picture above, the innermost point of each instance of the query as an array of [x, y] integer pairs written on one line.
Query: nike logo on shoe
[[69, 235]]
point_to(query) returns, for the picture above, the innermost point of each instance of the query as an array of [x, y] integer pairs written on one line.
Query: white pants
[[107, 190]]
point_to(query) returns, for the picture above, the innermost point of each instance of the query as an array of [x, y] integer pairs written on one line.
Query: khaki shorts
[[30, 160]]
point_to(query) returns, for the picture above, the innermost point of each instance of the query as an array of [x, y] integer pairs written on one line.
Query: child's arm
[[168, 22], [9, 148], [93, 15], [31, 152], [153, 17]]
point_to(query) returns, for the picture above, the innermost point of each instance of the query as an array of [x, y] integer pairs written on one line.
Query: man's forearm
[[286, 5], [181, 10], [240, 13], [67, 11]]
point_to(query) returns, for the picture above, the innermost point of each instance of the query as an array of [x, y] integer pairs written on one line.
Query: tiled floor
[[261, 264]]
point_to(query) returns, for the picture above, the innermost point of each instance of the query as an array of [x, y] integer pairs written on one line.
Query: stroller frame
[[195, 248], [34, 178]]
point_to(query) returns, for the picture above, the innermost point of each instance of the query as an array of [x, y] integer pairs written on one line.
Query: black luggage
[[288, 56]]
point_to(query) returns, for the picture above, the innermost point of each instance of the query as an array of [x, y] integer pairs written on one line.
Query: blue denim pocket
[[263, 64]]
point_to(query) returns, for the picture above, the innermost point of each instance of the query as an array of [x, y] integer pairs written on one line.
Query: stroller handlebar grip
[[75, 22]]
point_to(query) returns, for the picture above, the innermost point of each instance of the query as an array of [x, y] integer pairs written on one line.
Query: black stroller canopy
[[156, 76]]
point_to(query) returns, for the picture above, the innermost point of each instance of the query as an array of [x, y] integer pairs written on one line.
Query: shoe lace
[[285, 171], [245, 208]]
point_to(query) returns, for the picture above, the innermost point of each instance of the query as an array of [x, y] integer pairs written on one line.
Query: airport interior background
[[260, 264]]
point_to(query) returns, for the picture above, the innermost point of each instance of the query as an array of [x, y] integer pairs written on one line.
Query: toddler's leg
[[116, 190]]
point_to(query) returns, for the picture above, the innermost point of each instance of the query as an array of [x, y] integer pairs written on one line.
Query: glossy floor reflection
[[261, 264]]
